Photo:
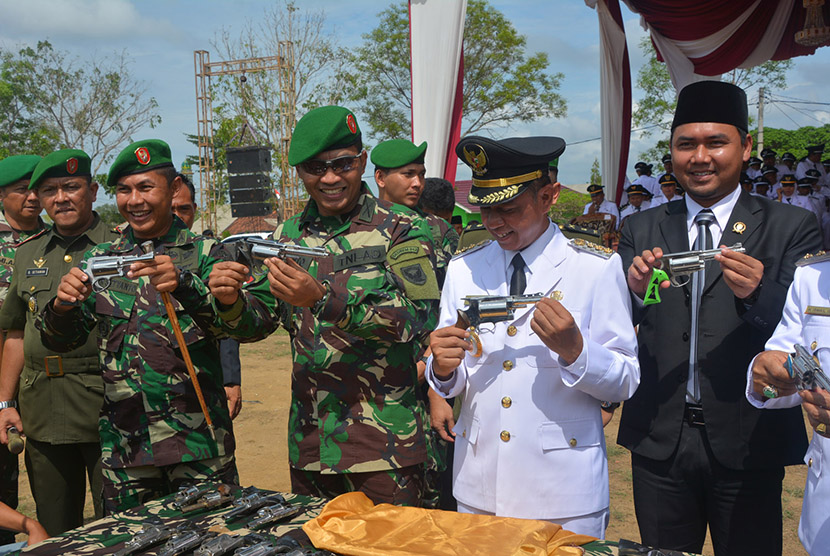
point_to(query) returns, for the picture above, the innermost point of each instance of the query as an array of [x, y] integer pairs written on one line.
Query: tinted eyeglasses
[[337, 165]]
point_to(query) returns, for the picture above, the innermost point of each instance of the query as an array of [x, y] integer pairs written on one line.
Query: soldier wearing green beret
[[60, 394], [400, 175], [357, 319], [19, 221], [154, 433]]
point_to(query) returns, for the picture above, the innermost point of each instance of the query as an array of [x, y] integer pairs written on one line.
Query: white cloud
[[81, 19]]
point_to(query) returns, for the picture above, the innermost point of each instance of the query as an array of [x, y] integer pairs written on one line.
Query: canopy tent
[[697, 40]]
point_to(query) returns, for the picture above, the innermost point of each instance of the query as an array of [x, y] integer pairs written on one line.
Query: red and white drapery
[[697, 40], [436, 32]]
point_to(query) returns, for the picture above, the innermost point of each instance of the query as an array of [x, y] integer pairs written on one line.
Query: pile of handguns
[[258, 508]]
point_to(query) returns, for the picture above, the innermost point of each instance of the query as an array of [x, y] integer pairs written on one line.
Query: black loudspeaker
[[249, 181], [259, 195], [249, 184], [248, 160], [252, 209]]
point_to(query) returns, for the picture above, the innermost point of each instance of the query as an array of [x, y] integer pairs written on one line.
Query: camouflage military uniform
[[60, 395], [9, 240], [153, 432], [355, 406], [445, 240]]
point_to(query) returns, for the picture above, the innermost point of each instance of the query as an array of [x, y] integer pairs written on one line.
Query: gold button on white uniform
[[507, 365], [810, 462], [572, 442], [506, 402], [512, 330], [814, 345], [505, 436]]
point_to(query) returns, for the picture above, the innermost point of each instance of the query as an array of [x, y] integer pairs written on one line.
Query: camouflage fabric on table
[[108, 535], [354, 403], [151, 415]]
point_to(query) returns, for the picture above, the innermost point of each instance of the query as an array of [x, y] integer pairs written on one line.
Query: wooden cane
[[147, 247]]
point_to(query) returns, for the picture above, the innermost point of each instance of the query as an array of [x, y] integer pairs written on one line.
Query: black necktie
[[703, 220], [518, 282]]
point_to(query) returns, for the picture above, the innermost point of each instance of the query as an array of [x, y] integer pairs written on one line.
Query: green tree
[[794, 141], [109, 214], [61, 101], [570, 205], [653, 111], [502, 82], [596, 175]]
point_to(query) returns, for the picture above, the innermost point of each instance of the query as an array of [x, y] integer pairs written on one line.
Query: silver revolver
[[490, 308], [257, 250], [681, 266], [102, 269], [806, 371]]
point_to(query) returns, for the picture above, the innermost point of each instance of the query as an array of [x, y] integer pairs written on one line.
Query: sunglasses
[[337, 165]]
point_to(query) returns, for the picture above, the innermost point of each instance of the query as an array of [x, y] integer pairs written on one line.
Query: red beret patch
[[142, 155], [72, 165], [351, 123]]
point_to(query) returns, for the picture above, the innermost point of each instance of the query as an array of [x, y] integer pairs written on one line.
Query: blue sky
[[161, 35]]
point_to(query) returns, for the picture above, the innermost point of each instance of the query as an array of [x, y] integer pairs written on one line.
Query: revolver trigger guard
[[100, 285], [677, 283], [476, 343]]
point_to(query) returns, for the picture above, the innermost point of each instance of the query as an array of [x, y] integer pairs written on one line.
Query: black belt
[[694, 415]]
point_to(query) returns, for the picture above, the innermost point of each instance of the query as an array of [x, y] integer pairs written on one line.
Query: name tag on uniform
[[37, 271], [815, 310], [8, 261], [123, 286], [357, 257]]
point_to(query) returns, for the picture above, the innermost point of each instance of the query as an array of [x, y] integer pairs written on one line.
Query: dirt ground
[[261, 430]]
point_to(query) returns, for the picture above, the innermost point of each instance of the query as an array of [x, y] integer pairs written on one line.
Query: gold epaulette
[[593, 248], [812, 258], [470, 248]]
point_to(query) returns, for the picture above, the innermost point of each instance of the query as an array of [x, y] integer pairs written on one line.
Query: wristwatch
[[10, 403], [185, 278], [609, 406]]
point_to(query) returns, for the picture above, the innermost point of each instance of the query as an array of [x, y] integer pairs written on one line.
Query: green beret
[[17, 167], [140, 157], [398, 152], [61, 164], [322, 129]]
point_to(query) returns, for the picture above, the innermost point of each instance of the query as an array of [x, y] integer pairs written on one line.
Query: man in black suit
[[701, 454]]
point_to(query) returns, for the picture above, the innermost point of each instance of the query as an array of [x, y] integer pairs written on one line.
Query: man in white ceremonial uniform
[[753, 169], [812, 161], [645, 178], [636, 202], [788, 195], [667, 166], [804, 321], [600, 204], [787, 165], [529, 440], [668, 191]]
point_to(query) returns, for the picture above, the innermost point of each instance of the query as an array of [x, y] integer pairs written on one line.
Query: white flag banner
[[436, 31]]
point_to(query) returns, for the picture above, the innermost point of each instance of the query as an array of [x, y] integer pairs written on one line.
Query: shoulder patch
[[812, 258], [471, 248], [410, 262], [589, 247]]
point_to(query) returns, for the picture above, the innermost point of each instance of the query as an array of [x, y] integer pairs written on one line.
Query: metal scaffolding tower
[[205, 69]]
